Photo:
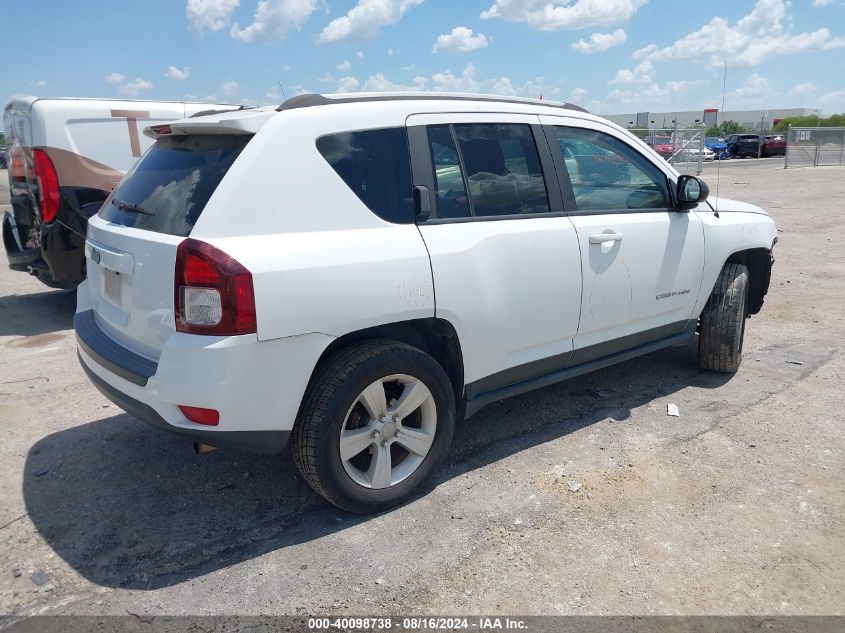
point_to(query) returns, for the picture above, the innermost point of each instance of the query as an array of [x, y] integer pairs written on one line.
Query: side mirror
[[690, 192]]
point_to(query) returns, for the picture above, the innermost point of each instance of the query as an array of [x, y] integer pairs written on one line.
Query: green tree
[[725, 128], [812, 120]]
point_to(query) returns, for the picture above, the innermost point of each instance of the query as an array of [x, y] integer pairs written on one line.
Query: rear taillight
[[48, 185], [213, 292]]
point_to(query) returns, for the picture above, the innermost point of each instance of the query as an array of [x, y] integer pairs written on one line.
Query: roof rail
[[312, 99]]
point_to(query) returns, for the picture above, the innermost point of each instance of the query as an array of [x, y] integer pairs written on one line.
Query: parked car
[[742, 145], [352, 274], [690, 153], [717, 145], [66, 156], [662, 145], [773, 145]]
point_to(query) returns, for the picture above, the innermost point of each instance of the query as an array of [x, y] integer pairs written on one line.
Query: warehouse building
[[750, 119]]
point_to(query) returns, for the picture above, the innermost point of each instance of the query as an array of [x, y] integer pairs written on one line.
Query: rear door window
[[376, 166], [502, 169], [489, 169], [169, 187]]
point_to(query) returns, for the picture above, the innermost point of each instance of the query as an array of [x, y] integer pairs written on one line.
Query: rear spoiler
[[225, 122]]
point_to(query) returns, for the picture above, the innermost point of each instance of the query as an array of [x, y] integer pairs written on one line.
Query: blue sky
[[609, 55]]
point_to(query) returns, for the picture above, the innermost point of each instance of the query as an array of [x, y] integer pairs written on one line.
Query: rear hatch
[[132, 242]]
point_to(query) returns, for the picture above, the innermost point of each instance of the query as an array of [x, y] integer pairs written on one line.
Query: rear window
[[169, 187], [376, 166]]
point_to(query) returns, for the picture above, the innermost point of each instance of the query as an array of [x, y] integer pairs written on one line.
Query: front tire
[[722, 327], [376, 420]]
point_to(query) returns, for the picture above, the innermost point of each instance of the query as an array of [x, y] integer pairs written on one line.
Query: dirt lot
[[735, 507]]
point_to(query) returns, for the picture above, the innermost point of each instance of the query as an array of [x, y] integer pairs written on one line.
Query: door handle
[[601, 238]]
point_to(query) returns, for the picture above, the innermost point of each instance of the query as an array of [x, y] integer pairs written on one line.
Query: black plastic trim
[[110, 354], [265, 442], [313, 99], [481, 393], [492, 218]]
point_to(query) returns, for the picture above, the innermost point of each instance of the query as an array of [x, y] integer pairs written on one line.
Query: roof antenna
[[282, 89], [719, 166]]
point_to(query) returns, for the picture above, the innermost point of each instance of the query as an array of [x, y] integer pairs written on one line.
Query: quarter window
[[607, 174], [498, 164], [375, 164]]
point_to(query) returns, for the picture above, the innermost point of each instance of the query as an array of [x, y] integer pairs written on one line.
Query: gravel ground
[[735, 507]]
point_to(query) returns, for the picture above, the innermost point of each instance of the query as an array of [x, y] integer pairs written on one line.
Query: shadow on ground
[[37, 313], [127, 505]]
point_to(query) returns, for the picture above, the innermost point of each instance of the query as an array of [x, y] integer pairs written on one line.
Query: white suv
[[353, 273]]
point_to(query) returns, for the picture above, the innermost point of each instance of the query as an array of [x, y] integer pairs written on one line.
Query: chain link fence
[[683, 147], [814, 146]]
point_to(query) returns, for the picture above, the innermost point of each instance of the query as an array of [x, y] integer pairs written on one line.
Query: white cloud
[[600, 42], [114, 78], [179, 74], [532, 88], [392, 51], [347, 84], [642, 73], [380, 83], [359, 55], [754, 90], [135, 87], [229, 87], [39, 84], [550, 15], [286, 67], [822, 3], [344, 65], [577, 94], [209, 14], [274, 19], [650, 93], [365, 19], [447, 82], [805, 88], [460, 40], [762, 34], [833, 102], [502, 86]]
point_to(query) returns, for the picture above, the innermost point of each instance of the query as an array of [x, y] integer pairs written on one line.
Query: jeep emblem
[[95, 255]]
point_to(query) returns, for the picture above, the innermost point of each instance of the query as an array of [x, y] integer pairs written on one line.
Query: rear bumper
[[59, 263], [267, 442], [256, 386]]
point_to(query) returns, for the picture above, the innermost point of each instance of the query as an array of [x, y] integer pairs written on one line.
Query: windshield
[[168, 188]]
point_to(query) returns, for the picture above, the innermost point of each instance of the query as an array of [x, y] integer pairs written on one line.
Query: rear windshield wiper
[[128, 206]]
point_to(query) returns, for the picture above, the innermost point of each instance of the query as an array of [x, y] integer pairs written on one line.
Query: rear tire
[[722, 327], [349, 441]]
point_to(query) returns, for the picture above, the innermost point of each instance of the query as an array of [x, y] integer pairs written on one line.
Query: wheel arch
[[759, 262], [436, 337]]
